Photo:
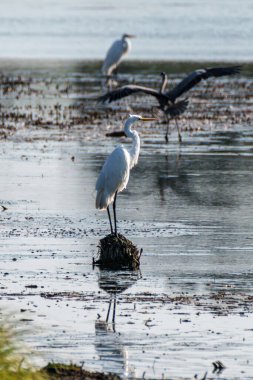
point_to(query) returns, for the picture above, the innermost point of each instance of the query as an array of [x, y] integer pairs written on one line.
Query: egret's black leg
[[108, 83], [115, 73], [114, 313], [109, 216], [178, 132], [108, 312], [114, 213]]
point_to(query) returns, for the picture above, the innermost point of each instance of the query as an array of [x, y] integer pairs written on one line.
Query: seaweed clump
[[117, 252], [57, 371]]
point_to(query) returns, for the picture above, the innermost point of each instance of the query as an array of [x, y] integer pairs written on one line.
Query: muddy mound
[[117, 252]]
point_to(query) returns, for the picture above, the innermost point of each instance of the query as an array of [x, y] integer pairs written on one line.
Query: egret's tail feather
[[103, 200], [100, 200]]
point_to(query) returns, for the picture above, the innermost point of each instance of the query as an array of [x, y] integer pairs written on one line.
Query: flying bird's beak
[[148, 118]]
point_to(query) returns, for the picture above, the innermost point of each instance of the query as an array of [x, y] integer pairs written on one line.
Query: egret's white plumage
[[115, 54], [113, 177], [115, 172]]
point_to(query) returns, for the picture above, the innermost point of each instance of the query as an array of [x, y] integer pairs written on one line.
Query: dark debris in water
[[221, 304], [117, 252], [56, 371], [218, 367]]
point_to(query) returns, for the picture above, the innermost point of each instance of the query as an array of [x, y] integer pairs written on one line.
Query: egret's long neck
[[127, 44], [134, 151]]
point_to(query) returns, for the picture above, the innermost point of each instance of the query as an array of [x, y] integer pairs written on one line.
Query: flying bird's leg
[[109, 216], [108, 312], [178, 132], [114, 212], [167, 130]]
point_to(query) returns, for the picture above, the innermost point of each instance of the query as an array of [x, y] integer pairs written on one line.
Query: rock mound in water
[[117, 252]]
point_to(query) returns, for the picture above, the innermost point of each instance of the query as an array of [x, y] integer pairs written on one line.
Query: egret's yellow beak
[[148, 118]]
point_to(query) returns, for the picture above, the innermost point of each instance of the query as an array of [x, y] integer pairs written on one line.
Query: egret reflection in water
[[108, 343], [114, 283]]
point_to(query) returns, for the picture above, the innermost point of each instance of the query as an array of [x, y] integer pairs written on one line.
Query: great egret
[[167, 99], [115, 54], [114, 175]]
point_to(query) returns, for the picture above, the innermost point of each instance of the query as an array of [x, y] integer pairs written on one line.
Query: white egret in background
[[114, 175], [167, 98], [118, 50]]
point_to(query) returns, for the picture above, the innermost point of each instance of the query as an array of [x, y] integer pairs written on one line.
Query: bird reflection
[[114, 283], [113, 355], [111, 350], [175, 177]]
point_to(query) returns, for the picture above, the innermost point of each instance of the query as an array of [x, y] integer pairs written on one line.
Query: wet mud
[[188, 206]]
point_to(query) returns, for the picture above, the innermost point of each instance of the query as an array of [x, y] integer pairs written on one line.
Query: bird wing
[[113, 57], [196, 76], [115, 172], [220, 71], [124, 91]]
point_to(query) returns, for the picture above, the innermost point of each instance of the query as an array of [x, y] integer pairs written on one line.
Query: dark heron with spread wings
[[167, 98]]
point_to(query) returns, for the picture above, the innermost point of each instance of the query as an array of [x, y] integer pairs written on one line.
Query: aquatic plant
[[14, 365], [58, 371], [118, 252]]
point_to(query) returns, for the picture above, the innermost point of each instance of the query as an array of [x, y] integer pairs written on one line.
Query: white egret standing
[[115, 54], [114, 175]]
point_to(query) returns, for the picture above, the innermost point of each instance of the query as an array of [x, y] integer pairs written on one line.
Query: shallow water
[[189, 208], [171, 30]]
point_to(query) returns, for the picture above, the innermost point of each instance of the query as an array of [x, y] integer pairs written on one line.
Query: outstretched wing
[[176, 109], [124, 91], [196, 76]]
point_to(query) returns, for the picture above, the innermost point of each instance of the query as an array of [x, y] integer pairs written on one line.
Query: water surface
[[166, 29], [189, 208]]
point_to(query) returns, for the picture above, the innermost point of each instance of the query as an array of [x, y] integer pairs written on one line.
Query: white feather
[[113, 177], [115, 54]]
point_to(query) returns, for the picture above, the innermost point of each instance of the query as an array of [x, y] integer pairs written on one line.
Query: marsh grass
[[117, 252], [57, 371], [13, 365]]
